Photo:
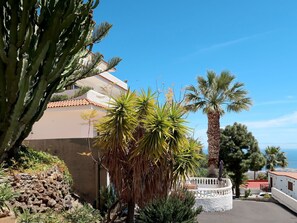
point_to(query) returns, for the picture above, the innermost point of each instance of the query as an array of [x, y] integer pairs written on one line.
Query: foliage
[[177, 207], [275, 158], [139, 140], [214, 95], [107, 198], [237, 146], [262, 176], [59, 97], [48, 217], [187, 160], [247, 193], [83, 214], [45, 47], [82, 91], [267, 196], [31, 161], [7, 192], [257, 162]]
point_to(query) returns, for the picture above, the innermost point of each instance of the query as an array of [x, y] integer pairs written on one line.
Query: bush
[[82, 215], [7, 193], [177, 207], [29, 160], [247, 193], [48, 217], [81, 91], [59, 97], [262, 176], [107, 198]]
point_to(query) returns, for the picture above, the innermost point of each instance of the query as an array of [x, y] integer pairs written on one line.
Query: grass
[[28, 160]]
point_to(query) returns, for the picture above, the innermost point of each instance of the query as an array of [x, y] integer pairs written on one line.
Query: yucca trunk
[[213, 134]]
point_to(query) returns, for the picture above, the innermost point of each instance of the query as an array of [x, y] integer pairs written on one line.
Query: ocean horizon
[[291, 155]]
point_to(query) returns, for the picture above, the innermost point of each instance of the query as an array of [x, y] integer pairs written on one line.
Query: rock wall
[[42, 191]]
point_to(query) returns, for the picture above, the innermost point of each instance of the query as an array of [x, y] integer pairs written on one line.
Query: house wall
[[281, 183], [64, 123], [82, 168], [105, 83]]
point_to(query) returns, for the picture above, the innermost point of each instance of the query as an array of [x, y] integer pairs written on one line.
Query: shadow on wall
[[74, 152]]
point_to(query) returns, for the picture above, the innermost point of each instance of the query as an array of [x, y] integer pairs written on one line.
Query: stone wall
[[42, 191], [76, 155]]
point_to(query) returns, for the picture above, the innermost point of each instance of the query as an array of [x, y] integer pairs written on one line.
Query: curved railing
[[211, 187], [212, 194]]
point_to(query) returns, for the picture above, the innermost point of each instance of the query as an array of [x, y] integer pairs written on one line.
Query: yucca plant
[[138, 140]]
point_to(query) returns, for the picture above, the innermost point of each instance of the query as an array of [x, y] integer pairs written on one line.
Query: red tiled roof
[[256, 184], [286, 174], [74, 102]]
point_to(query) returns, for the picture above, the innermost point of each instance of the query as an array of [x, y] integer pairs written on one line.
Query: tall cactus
[[42, 48]]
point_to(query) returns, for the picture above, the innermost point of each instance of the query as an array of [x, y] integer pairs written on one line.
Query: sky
[[167, 44]]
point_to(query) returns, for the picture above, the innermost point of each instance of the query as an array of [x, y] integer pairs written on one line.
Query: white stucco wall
[[221, 203], [284, 199], [281, 183], [66, 122], [105, 83]]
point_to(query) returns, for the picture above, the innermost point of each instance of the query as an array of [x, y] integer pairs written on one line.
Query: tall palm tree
[[139, 140], [215, 95], [275, 158]]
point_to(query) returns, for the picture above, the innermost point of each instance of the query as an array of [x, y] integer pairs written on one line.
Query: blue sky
[[169, 43]]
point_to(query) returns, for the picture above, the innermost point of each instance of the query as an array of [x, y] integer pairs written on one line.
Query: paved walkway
[[250, 212]]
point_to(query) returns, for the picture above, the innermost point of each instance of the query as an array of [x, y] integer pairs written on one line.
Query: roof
[[256, 184], [74, 102], [285, 174]]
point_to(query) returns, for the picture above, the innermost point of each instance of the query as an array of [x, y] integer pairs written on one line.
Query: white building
[[284, 188], [62, 119], [63, 132]]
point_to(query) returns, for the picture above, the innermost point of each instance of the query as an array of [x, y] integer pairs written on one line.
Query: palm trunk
[[213, 134], [130, 215], [237, 191]]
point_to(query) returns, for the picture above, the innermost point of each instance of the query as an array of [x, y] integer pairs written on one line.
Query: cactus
[[44, 47]]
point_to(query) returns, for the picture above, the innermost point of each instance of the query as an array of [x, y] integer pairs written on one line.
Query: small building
[[62, 131], [284, 188]]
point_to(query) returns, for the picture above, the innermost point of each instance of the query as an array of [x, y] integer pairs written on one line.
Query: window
[[290, 186]]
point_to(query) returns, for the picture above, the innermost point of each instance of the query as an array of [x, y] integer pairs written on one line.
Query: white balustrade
[[212, 194], [211, 187]]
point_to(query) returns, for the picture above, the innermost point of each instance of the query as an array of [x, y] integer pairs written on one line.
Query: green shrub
[[7, 193], [177, 207], [107, 198], [48, 217], [247, 193], [59, 97], [82, 215], [31, 161], [81, 91], [267, 196], [262, 176]]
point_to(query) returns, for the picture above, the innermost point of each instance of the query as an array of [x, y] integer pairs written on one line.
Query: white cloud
[[232, 42], [289, 100], [283, 121]]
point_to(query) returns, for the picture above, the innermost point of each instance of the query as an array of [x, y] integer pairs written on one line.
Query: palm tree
[[275, 158], [215, 95], [139, 140]]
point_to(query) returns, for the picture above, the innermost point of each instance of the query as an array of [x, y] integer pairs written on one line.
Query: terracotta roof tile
[[74, 102], [287, 174]]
